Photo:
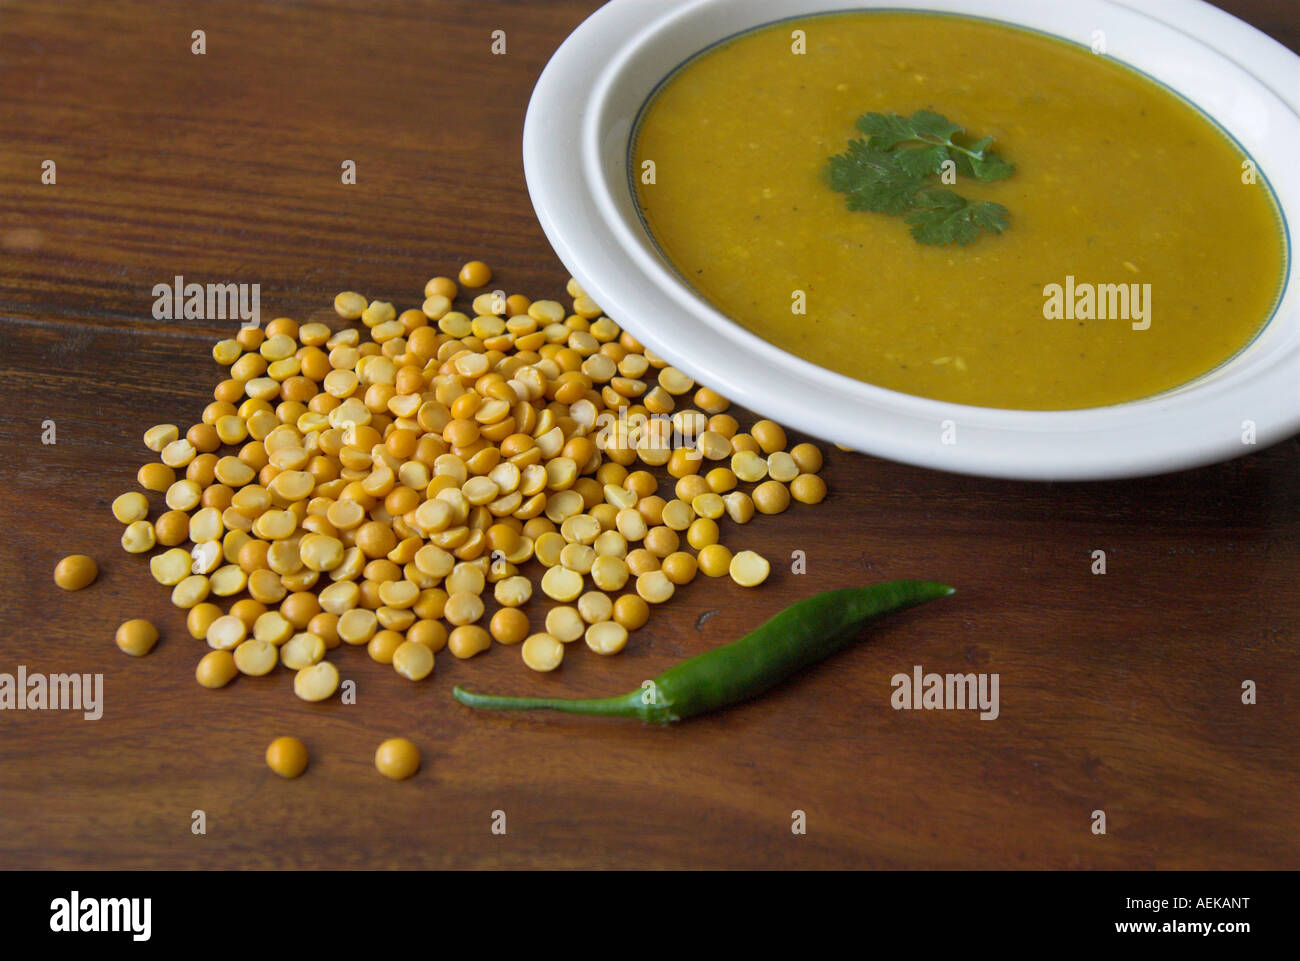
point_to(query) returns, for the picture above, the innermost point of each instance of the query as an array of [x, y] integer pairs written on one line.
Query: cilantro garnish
[[890, 172]]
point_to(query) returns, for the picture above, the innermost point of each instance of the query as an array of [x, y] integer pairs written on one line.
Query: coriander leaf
[[873, 179], [885, 131], [889, 172], [943, 217], [987, 168], [927, 124], [990, 216], [923, 161]]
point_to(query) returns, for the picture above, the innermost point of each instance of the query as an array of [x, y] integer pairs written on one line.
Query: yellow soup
[[1140, 252]]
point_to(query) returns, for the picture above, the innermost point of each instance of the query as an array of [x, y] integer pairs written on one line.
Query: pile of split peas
[[367, 487]]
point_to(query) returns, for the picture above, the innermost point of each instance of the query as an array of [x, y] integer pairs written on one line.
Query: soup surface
[[1117, 181]]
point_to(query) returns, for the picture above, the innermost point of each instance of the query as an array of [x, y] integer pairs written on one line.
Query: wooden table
[[1119, 693]]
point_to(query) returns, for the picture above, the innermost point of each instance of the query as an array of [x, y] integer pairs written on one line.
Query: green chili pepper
[[802, 634]]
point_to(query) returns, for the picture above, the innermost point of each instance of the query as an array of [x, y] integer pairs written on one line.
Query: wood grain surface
[[1119, 693]]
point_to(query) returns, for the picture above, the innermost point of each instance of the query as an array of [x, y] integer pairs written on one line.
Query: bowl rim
[[617, 262]]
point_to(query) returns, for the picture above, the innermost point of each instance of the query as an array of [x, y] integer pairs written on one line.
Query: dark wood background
[[1119, 693]]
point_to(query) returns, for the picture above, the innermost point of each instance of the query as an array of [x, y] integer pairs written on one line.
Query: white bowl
[[576, 141]]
